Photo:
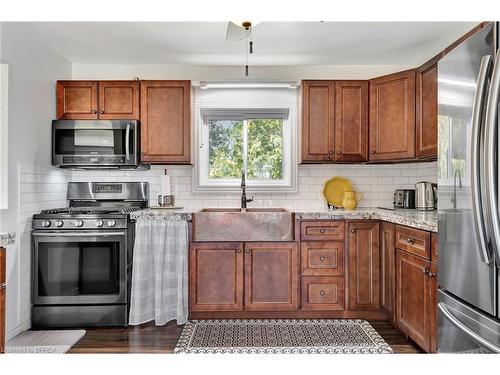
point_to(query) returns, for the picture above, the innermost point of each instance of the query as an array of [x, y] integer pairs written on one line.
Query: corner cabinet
[[92, 100], [363, 265], [427, 111], [392, 117], [166, 122], [334, 121]]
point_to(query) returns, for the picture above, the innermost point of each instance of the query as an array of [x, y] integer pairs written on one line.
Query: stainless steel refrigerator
[[468, 204]]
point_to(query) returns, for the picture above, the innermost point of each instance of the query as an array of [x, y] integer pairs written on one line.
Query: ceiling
[[276, 43]]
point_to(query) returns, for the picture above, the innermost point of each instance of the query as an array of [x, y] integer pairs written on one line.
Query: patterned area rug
[[342, 336]]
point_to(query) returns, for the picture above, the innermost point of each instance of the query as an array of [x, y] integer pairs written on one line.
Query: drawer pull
[[322, 230], [410, 241], [322, 259], [322, 293], [247, 251], [353, 230]]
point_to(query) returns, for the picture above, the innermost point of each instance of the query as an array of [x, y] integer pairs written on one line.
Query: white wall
[[33, 70], [232, 73]]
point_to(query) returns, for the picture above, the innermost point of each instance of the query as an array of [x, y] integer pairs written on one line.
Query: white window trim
[[289, 185]]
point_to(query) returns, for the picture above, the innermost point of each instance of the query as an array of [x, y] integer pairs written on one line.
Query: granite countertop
[[7, 239], [425, 220]]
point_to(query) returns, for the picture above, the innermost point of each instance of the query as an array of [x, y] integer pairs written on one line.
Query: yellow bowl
[[334, 190]]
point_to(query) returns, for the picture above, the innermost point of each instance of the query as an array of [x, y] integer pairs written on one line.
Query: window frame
[[204, 184]]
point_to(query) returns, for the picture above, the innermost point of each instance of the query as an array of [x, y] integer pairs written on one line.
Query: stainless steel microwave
[[96, 144]]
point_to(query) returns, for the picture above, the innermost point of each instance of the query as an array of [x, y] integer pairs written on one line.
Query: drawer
[[323, 293], [434, 247], [322, 258], [2, 265], [322, 230], [414, 241]]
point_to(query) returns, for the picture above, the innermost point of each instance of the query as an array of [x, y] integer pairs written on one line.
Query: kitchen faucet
[[244, 199], [454, 199]]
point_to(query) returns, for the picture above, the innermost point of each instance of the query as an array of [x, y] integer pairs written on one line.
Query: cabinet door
[[433, 311], [2, 319], [317, 121], [271, 276], [413, 297], [388, 269], [392, 117], [364, 260], [216, 276], [76, 100], [427, 112], [119, 100], [165, 122], [351, 121]]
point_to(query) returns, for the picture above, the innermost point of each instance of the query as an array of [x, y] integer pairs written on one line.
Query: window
[[257, 141]]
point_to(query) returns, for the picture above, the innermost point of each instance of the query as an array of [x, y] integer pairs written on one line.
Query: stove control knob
[[111, 223], [99, 223], [46, 223], [58, 223], [79, 223]]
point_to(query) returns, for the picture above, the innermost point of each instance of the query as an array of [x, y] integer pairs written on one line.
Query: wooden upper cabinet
[[77, 100], [416, 298], [216, 276], [363, 265], [166, 122], [427, 111], [392, 117], [318, 121], [351, 121], [271, 276], [387, 269], [91, 100], [119, 100]]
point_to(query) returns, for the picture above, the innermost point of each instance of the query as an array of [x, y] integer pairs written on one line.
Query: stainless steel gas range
[[83, 255]]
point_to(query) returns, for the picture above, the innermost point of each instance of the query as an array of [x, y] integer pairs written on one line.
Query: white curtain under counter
[[160, 270]]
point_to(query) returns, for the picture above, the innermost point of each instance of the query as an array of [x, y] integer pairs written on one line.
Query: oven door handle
[[127, 141], [80, 234]]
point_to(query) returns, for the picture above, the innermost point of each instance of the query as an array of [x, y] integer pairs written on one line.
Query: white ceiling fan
[[242, 30]]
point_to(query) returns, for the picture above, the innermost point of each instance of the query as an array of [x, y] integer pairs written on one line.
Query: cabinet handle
[[338, 152], [238, 251], [143, 153], [425, 271], [410, 241], [94, 111], [353, 230], [322, 258], [330, 152], [101, 111], [322, 230], [248, 251], [373, 152], [322, 293]]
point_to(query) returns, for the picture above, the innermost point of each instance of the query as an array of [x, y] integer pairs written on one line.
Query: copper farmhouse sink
[[251, 224]]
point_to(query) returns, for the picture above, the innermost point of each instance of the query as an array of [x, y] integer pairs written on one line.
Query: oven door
[[84, 143], [80, 268]]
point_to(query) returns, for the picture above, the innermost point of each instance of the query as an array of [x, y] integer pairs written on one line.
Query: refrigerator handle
[[475, 160], [469, 332], [491, 162]]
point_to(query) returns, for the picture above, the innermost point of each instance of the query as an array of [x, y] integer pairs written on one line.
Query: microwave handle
[[127, 141]]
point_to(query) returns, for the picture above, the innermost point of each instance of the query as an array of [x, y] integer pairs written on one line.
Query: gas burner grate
[[90, 210]]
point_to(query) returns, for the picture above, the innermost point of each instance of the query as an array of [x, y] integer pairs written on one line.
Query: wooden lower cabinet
[[216, 276], [363, 265], [232, 276], [271, 276], [416, 298], [3, 298], [387, 269], [323, 293]]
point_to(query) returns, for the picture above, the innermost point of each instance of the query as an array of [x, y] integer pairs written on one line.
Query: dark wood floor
[[148, 338]]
